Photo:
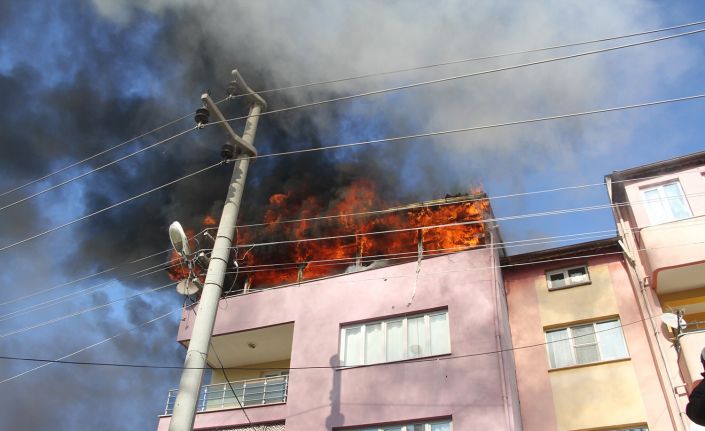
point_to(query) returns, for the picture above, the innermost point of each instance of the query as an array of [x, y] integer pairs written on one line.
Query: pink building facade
[[581, 343], [660, 213], [420, 344]]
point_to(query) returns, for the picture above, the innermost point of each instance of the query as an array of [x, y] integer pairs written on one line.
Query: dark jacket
[[696, 406]]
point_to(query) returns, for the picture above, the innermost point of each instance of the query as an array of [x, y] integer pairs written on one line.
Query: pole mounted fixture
[[202, 329], [201, 117], [235, 144]]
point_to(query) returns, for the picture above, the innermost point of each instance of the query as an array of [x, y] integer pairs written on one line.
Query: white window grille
[[395, 339], [585, 344], [666, 202], [568, 277]]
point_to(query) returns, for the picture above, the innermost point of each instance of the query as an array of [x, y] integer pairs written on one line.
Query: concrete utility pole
[[190, 384]]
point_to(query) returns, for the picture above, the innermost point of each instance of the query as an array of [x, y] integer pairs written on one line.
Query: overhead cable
[[77, 177], [337, 276], [63, 359], [362, 143], [359, 95], [313, 367], [82, 311], [468, 60], [63, 298], [456, 77], [696, 23]]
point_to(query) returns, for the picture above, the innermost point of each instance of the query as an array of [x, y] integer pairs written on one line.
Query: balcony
[[676, 254], [248, 393]]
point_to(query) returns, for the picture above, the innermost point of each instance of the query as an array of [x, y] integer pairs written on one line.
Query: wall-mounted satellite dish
[[189, 286], [178, 239], [673, 321]]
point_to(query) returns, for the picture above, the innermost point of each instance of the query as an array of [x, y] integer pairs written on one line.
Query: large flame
[[350, 239]]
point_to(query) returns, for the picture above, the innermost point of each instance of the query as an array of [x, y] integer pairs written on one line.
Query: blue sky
[[79, 77]]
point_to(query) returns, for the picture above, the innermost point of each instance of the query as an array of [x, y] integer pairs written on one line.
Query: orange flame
[[357, 239], [209, 220]]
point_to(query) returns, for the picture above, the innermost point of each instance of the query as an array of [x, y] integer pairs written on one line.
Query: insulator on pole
[[227, 151], [201, 117]]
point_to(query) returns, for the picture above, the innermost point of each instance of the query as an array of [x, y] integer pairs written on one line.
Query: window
[[585, 344], [665, 203], [419, 426], [395, 339], [568, 277]]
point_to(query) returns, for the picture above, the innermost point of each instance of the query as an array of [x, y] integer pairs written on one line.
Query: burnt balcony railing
[[248, 393]]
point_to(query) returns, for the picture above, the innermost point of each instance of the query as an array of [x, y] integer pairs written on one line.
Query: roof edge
[[583, 249]]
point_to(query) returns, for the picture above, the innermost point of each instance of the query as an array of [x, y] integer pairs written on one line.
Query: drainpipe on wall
[[498, 338], [635, 281]]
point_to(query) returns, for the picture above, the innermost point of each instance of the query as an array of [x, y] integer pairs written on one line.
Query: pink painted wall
[[467, 388], [535, 392], [692, 183], [660, 240]]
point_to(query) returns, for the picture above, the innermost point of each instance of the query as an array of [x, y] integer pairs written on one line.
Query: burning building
[[345, 317], [307, 239]]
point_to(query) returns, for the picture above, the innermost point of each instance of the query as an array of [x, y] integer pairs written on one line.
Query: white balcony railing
[[253, 392]]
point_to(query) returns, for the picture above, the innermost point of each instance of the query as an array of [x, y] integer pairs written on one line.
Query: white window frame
[[566, 277], [405, 338], [570, 339], [406, 427], [665, 202]]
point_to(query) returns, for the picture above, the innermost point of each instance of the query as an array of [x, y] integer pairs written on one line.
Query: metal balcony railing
[[253, 392]]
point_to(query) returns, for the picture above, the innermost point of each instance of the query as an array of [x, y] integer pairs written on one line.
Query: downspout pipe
[[639, 292]]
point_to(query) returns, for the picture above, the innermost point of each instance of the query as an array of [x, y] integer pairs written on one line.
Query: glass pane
[[374, 344], [395, 341], [676, 201], [654, 206], [611, 340], [587, 354], [416, 337], [578, 275], [392, 429], [559, 349], [440, 427], [583, 335], [353, 346], [557, 280], [439, 334]]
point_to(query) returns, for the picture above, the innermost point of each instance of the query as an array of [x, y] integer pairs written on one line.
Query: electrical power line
[[311, 367], [393, 139], [696, 23], [456, 77], [471, 59], [36, 180], [83, 349], [369, 93], [70, 180], [250, 269], [343, 261], [61, 360], [327, 217], [227, 379], [110, 207], [357, 280], [86, 277], [58, 300], [82, 311], [253, 268], [463, 223]]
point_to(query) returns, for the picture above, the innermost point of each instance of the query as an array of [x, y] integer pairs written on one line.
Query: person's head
[[702, 357]]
